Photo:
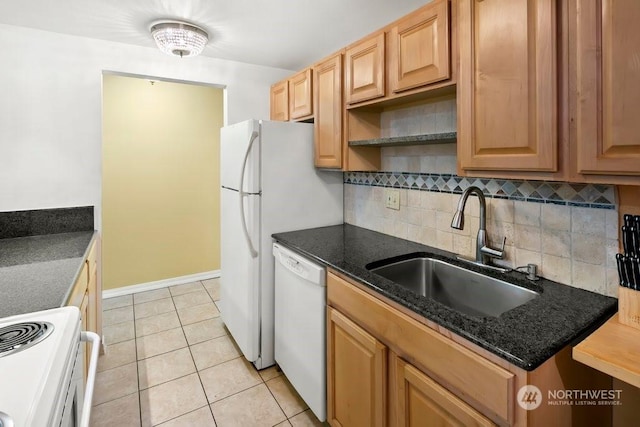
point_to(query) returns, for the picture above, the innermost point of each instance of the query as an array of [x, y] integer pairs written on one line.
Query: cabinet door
[[356, 374], [79, 287], [420, 401], [419, 48], [327, 104], [607, 72], [280, 101], [93, 297], [507, 86], [84, 319], [364, 70], [300, 95], [94, 290]]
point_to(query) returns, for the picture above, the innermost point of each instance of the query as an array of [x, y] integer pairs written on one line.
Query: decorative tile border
[[559, 193]]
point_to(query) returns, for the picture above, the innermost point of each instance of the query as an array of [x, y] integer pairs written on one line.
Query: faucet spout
[[483, 251], [458, 217]]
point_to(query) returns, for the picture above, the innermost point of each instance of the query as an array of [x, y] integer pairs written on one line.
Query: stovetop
[[35, 370]]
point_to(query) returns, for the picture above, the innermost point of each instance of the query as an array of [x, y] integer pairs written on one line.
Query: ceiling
[[289, 34]]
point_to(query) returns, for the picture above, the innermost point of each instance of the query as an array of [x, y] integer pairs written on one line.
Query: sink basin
[[460, 289]]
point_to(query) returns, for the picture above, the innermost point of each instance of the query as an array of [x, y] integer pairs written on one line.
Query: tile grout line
[[194, 360], [277, 403], [135, 333], [174, 418], [135, 337]]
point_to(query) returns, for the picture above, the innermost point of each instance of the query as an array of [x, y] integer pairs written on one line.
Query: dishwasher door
[[300, 326]]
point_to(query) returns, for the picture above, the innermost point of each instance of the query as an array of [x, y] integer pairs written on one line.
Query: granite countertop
[[526, 336], [38, 272]]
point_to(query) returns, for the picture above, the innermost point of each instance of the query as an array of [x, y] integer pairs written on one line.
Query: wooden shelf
[[614, 349], [434, 138]]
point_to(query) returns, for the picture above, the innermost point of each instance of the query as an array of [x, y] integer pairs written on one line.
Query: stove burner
[[20, 336]]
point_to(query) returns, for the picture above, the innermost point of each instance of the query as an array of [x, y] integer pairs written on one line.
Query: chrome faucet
[[484, 253]]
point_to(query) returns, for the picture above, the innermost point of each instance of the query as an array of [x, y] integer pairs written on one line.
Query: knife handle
[[628, 268], [636, 225], [633, 239], [626, 243], [628, 220], [635, 263], [621, 271]]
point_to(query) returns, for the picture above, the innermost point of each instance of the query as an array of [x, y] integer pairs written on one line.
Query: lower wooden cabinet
[[387, 367], [84, 325], [421, 401], [356, 375], [87, 296], [362, 372]]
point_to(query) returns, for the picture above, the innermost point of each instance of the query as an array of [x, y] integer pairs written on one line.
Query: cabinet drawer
[[419, 398], [463, 371]]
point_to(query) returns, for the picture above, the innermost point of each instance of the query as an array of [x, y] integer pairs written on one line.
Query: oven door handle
[[94, 338]]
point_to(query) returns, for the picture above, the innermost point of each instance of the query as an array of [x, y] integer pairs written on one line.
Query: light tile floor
[[170, 361]]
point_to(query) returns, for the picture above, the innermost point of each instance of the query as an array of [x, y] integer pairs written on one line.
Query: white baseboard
[[150, 286]]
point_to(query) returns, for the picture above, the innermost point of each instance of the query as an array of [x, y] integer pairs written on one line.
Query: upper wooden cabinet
[[364, 70], [291, 99], [605, 66], [328, 108], [507, 85], [280, 101], [419, 52], [301, 95]]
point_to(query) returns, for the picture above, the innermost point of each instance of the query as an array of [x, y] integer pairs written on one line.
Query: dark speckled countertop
[[38, 272], [525, 336]]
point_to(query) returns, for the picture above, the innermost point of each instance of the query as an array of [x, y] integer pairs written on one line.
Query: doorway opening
[[160, 180]]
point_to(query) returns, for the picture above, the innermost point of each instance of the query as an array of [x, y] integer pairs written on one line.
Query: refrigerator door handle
[[242, 194]]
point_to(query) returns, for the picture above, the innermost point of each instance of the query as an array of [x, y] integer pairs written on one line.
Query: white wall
[[50, 109]]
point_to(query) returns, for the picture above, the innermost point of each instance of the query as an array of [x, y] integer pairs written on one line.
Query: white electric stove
[[41, 367]]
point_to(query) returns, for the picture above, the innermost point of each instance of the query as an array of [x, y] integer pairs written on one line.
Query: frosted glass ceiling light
[[179, 38]]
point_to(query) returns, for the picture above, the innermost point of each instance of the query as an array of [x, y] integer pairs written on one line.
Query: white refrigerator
[[269, 185]]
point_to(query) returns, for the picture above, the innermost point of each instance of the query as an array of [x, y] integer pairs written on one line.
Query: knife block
[[629, 307]]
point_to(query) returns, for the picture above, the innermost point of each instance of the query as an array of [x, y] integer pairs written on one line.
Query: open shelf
[[433, 138]]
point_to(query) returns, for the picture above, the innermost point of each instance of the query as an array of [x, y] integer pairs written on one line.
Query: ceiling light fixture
[[179, 38]]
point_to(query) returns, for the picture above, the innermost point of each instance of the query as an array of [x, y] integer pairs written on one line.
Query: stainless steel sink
[[463, 290]]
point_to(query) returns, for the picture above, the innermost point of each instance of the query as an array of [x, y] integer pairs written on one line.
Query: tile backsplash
[[435, 116], [572, 243], [570, 231]]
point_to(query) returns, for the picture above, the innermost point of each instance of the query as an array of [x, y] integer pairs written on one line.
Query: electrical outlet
[[392, 198]]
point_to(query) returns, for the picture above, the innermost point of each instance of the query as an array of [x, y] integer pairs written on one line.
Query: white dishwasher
[[300, 326]]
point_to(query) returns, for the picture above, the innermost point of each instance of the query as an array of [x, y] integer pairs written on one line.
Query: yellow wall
[[160, 180]]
